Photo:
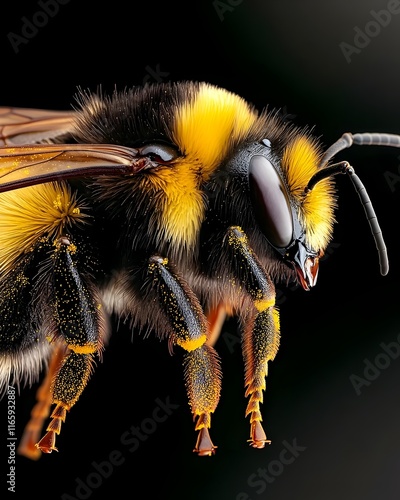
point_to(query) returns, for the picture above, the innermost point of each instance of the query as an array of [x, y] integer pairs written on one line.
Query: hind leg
[[79, 328], [41, 410]]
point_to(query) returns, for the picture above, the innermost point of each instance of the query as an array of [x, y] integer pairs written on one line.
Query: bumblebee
[[171, 206]]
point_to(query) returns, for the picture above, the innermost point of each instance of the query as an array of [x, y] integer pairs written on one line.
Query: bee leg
[[78, 322], [203, 382], [41, 410], [216, 318], [260, 344], [201, 362], [261, 335]]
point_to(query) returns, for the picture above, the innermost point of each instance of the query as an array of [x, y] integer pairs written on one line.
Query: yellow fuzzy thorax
[[181, 204], [300, 162], [30, 213], [207, 125], [204, 128]]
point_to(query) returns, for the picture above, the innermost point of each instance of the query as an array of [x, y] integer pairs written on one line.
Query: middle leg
[[189, 329]]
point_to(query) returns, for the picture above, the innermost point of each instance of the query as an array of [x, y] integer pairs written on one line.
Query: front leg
[[189, 329], [260, 341]]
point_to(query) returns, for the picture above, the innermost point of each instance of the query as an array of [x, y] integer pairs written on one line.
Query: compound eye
[[161, 153], [270, 202]]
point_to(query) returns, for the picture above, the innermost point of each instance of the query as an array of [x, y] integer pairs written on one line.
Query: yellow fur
[[300, 162], [203, 130], [30, 213], [205, 126], [182, 203]]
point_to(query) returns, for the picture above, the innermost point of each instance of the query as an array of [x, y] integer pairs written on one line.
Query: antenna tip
[[384, 268]]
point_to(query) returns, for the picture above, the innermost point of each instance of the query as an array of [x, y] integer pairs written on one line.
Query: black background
[[284, 54]]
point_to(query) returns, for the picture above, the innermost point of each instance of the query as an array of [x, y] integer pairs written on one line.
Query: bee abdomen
[[23, 348]]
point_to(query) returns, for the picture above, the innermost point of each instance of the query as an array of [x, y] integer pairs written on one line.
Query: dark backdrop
[[331, 65]]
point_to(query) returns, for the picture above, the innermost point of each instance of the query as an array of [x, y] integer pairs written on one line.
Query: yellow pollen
[[191, 345], [83, 349], [263, 304]]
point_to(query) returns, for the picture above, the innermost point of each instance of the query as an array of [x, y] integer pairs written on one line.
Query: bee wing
[[28, 165], [26, 126]]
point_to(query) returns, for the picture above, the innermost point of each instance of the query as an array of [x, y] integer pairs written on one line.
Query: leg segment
[[261, 335], [79, 325], [260, 344], [189, 330], [216, 318], [41, 410]]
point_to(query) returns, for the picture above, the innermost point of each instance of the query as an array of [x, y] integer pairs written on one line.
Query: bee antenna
[[345, 168], [364, 139]]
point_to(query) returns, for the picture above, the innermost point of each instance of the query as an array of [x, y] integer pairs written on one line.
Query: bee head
[[297, 226], [293, 199]]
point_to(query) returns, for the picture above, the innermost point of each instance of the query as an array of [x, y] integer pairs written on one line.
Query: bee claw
[[204, 445], [46, 444], [258, 438]]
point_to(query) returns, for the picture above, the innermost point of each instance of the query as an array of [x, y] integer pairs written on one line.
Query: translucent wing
[[26, 126], [27, 156], [27, 165]]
